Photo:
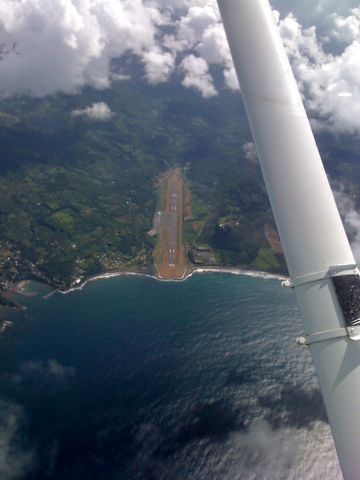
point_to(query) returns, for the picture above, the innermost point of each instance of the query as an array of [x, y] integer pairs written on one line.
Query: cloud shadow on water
[[239, 377], [149, 463], [214, 420], [294, 407]]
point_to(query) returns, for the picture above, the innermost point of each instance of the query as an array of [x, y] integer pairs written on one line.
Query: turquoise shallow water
[[132, 378]]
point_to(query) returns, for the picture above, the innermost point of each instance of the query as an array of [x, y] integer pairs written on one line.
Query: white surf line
[[232, 271], [103, 276], [239, 271]]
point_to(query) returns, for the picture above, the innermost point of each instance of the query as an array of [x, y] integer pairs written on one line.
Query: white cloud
[[197, 75], [213, 48], [324, 77], [268, 445], [98, 111], [58, 370], [193, 25], [345, 29], [230, 78], [199, 31], [250, 152], [119, 76], [50, 369], [310, 12], [351, 218], [15, 461], [213, 45], [159, 65], [264, 452], [62, 45]]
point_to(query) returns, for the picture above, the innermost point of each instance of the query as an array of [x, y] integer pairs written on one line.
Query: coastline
[[231, 270], [19, 288], [241, 271]]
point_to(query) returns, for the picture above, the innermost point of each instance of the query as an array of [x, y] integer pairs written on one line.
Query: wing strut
[[319, 258]]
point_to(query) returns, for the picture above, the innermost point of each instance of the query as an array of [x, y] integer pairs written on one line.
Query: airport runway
[[171, 256]]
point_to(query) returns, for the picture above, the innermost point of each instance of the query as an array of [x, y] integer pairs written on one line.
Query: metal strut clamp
[[352, 332], [351, 320], [332, 271]]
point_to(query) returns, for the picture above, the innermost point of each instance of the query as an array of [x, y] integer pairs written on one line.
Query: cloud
[[264, 452], [324, 77], [310, 12], [197, 75], [200, 31], [159, 65], [250, 152], [262, 439], [65, 44], [47, 373], [324, 56], [48, 367], [345, 29], [62, 45], [15, 459], [98, 111], [119, 76], [325, 64], [351, 219], [192, 26]]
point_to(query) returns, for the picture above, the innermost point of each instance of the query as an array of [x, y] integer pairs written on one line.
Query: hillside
[[77, 196]]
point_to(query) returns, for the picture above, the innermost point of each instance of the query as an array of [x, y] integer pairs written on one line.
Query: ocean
[[135, 379]]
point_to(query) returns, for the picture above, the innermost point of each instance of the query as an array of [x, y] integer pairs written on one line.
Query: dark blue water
[[132, 378]]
